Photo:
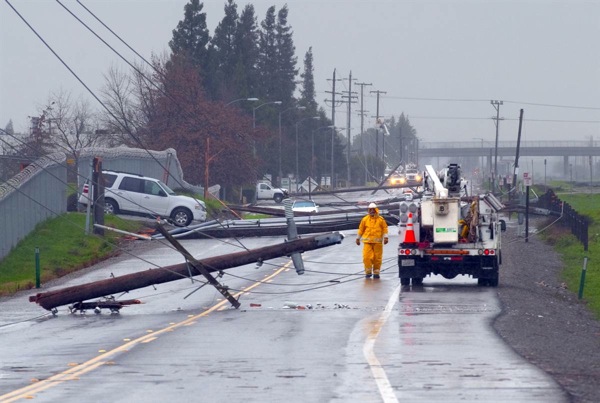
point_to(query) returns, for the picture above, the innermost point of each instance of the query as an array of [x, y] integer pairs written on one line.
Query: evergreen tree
[[225, 52], [245, 79], [307, 92], [285, 58], [9, 129], [267, 65], [191, 39]]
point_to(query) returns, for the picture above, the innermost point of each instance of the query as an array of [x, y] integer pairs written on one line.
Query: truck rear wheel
[[493, 282], [417, 281], [490, 282]]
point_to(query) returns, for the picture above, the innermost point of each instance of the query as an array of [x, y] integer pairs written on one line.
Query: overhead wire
[[164, 243], [114, 245], [174, 100], [150, 213], [488, 100], [137, 140], [327, 284], [135, 52], [133, 255], [86, 87]]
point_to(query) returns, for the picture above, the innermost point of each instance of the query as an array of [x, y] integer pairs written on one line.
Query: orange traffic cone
[[409, 236]]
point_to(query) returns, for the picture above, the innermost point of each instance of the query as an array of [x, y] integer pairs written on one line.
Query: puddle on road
[[424, 308]]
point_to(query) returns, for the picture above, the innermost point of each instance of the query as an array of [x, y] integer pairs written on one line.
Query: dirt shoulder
[[544, 321]]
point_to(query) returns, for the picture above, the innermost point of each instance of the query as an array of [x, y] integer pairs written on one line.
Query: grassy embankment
[[64, 248], [572, 253]]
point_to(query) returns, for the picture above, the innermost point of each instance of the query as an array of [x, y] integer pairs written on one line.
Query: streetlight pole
[[242, 99], [297, 170], [312, 159], [280, 136]]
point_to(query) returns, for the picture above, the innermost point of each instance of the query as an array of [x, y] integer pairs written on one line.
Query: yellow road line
[[78, 370], [385, 388]]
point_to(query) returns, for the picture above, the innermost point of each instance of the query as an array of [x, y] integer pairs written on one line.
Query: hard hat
[[372, 205]]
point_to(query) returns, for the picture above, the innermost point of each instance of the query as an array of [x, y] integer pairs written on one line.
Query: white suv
[[137, 194]]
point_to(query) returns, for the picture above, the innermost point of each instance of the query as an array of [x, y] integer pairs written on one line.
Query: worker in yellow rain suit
[[373, 231]]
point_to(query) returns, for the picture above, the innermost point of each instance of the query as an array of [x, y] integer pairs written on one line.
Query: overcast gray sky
[[439, 62]]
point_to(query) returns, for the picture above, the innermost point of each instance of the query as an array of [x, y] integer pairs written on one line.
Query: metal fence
[[30, 197], [40, 191], [577, 223]]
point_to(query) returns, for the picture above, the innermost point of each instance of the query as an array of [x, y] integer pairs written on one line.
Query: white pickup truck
[[265, 191]]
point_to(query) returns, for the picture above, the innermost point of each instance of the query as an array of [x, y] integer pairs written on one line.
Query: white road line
[[383, 383]]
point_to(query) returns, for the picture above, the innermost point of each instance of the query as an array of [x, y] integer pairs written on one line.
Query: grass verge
[[64, 248], [572, 253]]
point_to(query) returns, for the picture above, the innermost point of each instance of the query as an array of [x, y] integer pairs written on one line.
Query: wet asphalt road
[[362, 341]]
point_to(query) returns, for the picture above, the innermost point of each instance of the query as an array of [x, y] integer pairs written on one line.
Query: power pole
[[350, 101], [377, 127], [496, 104], [333, 133], [362, 128], [98, 195]]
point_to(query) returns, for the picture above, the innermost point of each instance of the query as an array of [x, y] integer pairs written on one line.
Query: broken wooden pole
[[198, 266], [52, 299]]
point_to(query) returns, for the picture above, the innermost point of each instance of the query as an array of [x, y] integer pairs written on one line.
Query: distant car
[[141, 195], [397, 179], [413, 177], [305, 206]]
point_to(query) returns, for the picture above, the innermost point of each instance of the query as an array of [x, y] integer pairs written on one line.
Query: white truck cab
[[265, 191]]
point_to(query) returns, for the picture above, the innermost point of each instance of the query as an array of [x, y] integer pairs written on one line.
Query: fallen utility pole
[[198, 266], [52, 299]]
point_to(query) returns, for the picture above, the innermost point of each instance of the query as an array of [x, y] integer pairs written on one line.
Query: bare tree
[[131, 100], [71, 125]]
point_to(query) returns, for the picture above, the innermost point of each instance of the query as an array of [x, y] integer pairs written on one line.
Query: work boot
[[367, 276], [375, 275]]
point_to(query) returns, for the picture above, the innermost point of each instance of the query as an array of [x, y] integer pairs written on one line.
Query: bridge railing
[[507, 144]]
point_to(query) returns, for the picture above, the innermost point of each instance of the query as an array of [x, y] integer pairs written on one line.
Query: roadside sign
[[527, 180]]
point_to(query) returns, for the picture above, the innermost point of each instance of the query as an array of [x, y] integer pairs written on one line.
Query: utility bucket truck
[[448, 233]]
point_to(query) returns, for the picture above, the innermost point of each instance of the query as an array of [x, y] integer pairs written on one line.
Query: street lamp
[[242, 99], [280, 113], [312, 158], [297, 123], [260, 106]]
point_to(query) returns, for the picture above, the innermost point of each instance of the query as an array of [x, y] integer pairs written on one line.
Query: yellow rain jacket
[[373, 229]]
